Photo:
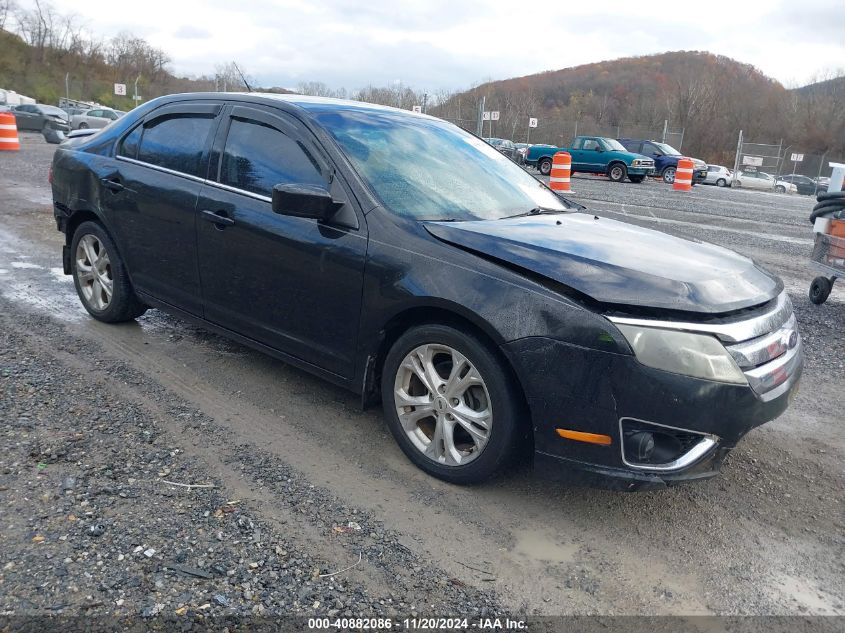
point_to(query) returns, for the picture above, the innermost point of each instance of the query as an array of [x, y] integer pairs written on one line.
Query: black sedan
[[407, 260], [40, 117], [507, 148], [806, 186]]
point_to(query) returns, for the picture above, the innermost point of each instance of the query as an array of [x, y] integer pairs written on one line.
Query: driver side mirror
[[304, 201]]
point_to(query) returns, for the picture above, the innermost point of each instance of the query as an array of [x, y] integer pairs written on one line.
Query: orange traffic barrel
[[8, 132], [559, 176], [683, 175]]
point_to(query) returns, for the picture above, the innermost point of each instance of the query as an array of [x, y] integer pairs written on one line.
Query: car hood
[[618, 263]]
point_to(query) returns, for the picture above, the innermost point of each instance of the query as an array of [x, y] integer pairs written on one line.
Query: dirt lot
[[296, 482]]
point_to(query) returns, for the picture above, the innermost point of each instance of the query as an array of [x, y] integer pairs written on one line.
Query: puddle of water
[[540, 546], [59, 306], [26, 265], [3, 271]]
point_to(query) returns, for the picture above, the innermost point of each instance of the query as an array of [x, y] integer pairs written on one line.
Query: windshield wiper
[[535, 211]]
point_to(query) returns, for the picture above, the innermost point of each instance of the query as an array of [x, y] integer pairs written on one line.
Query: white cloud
[[453, 43]]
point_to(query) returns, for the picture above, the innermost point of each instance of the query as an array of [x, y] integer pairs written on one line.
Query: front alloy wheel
[[94, 272], [440, 387], [669, 175], [443, 404]]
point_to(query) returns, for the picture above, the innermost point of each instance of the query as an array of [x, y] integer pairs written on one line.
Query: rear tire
[[545, 166], [617, 172], [100, 276], [721, 182], [466, 428], [83, 126], [780, 189]]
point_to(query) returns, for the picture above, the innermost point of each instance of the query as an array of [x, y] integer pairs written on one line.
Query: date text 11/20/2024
[[384, 624]]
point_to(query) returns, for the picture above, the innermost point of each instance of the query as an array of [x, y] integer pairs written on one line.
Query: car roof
[[304, 104]]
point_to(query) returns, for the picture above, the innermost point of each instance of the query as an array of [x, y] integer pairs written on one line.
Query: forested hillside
[[710, 97]]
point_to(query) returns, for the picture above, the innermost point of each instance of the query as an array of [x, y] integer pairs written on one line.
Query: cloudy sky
[[454, 43]]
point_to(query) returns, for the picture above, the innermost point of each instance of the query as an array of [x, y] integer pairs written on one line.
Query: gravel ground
[[93, 524], [96, 419]]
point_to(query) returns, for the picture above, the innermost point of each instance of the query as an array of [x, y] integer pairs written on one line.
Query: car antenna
[[248, 89]]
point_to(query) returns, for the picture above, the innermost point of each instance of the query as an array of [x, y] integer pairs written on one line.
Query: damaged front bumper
[[686, 426]]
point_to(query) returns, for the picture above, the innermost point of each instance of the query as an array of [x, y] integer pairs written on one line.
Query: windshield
[[615, 145], [667, 149], [426, 169]]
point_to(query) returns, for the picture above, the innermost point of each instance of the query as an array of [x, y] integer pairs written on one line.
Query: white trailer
[[12, 98]]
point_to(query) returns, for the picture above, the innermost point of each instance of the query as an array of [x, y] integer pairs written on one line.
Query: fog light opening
[[655, 447], [642, 446]]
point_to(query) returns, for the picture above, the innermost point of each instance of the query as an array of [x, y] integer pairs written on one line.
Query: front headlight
[[696, 355], [636, 161]]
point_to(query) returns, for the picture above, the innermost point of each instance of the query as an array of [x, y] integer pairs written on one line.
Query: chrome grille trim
[[735, 332], [763, 349]]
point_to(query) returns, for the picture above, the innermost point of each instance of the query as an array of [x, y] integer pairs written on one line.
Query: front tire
[[780, 189], [451, 404], [617, 172], [83, 126], [668, 175], [100, 276], [545, 166]]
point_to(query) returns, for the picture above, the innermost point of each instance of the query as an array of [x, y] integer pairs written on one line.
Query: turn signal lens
[[580, 436]]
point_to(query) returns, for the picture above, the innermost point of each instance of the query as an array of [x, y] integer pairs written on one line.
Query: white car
[[718, 175], [764, 181], [96, 118]]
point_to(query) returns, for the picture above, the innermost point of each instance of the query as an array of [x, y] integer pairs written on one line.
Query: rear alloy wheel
[[100, 278], [545, 166], [449, 404], [780, 189], [721, 182], [668, 175], [617, 172]]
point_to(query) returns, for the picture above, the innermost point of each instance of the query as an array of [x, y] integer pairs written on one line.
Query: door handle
[[112, 184], [217, 218]]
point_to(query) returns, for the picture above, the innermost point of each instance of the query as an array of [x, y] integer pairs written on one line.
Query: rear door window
[[177, 142], [258, 156]]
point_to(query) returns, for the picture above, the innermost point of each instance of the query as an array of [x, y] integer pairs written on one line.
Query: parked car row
[[40, 117], [595, 155]]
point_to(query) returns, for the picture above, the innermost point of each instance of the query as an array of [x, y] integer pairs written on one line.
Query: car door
[[26, 117], [291, 283], [151, 197], [591, 157], [576, 153], [652, 151]]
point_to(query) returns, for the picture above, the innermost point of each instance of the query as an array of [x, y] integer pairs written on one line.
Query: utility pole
[[135, 94], [479, 127], [665, 129], [425, 103], [67, 87], [736, 161]]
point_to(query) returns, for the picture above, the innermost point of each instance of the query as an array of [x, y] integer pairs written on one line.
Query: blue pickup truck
[[595, 155], [665, 159]]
